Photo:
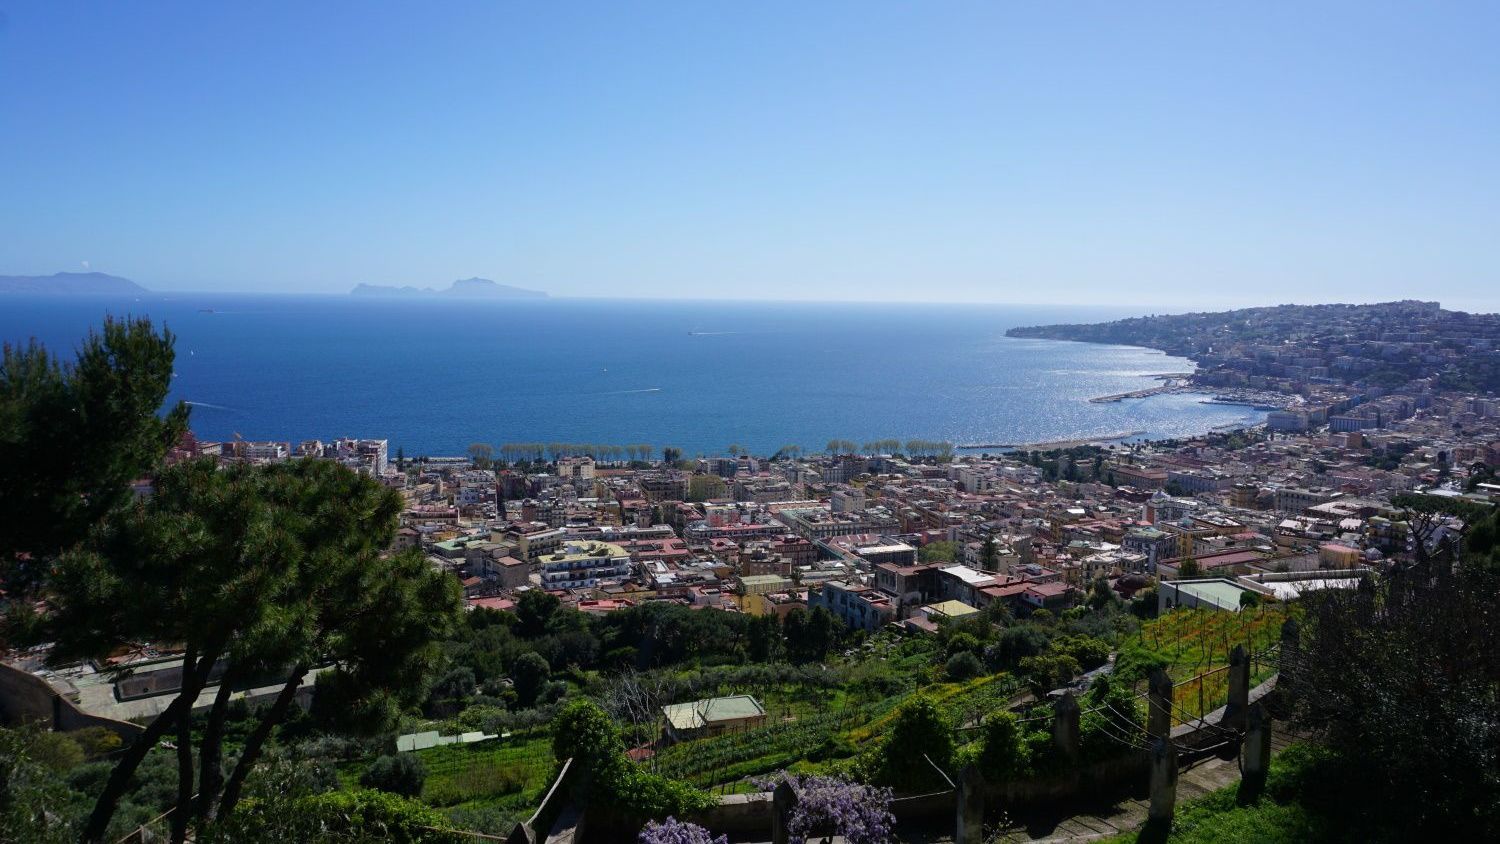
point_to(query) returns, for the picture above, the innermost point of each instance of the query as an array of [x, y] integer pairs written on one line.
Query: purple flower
[[828, 807], [673, 831]]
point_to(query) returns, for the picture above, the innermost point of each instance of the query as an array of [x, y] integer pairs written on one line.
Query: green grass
[[1192, 643], [1216, 818], [466, 774], [1280, 816], [506, 774]]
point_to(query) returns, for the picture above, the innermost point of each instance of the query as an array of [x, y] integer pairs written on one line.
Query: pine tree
[[261, 567], [74, 437]]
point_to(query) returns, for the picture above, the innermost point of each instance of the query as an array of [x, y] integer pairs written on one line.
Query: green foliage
[[1101, 595], [96, 741], [339, 816], [1003, 753], [920, 727], [961, 642], [809, 635], [1049, 671], [602, 775], [507, 774], [962, 666], [398, 773], [483, 782], [529, 674], [56, 751], [1403, 675], [1087, 651], [34, 800], [74, 437], [1309, 797], [342, 705], [482, 454], [1144, 604], [263, 567], [535, 610], [989, 555], [1017, 643], [774, 747], [938, 552]]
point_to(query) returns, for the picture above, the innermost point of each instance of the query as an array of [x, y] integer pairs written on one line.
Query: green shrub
[[1003, 753], [962, 642], [482, 781], [339, 816], [96, 741], [603, 775], [1049, 671], [401, 773], [1041, 753], [1089, 652], [918, 729], [963, 665], [56, 751]]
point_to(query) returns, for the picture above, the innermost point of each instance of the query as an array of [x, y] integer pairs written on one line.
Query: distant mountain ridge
[[69, 283], [464, 288]]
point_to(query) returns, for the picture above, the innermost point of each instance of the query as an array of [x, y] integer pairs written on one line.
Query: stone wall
[[26, 699]]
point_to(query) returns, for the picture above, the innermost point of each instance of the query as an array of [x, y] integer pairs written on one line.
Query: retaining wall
[[28, 699]]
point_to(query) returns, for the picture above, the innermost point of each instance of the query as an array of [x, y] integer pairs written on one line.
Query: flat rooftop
[[1220, 593], [952, 609], [691, 716]]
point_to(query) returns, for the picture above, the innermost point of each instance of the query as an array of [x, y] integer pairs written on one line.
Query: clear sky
[[1181, 155]]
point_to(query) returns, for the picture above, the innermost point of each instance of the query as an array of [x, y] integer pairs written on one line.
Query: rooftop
[[1221, 593], [699, 713], [950, 609]]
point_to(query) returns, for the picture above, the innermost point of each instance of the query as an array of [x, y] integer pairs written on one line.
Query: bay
[[434, 375]]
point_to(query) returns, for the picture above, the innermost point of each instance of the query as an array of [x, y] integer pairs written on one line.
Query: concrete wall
[[25, 698], [737, 813], [1098, 777]]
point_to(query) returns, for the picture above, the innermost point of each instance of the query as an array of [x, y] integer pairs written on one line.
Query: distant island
[[465, 288], [70, 284]]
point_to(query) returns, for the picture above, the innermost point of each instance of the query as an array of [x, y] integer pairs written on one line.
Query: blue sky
[[1172, 155]]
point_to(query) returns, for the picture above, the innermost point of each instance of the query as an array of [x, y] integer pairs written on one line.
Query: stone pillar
[[1065, 714], [1239, 689], [783, 803], [1257, 751], [1163, 783], [1159, 704], [970, 806]]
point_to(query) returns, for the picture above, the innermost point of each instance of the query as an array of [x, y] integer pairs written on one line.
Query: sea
[[435, 375]]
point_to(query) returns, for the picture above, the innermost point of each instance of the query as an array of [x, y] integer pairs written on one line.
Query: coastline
[[1052, 445], [531, 384]]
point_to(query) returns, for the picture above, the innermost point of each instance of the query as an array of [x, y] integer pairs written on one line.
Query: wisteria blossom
[[828, 807], [673, 831]]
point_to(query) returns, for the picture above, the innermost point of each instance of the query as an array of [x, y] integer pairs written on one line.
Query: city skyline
[[1155, 155]]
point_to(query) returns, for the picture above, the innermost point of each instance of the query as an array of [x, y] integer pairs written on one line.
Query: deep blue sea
[[435, 375]]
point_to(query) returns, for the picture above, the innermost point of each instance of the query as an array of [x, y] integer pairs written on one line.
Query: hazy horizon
[[1114, 310], [1168, 157]]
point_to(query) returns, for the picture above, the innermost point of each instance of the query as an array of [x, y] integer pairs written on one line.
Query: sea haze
[[435, 375]]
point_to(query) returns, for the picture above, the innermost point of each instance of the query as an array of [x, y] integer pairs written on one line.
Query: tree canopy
[[74, 437], [267, 569]]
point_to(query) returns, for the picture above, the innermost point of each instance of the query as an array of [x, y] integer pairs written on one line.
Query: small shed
[[712, 716]]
